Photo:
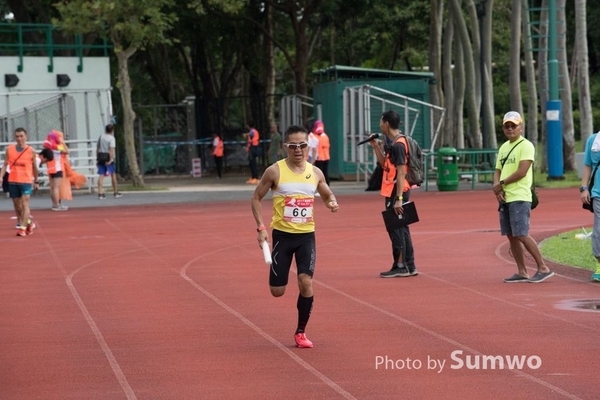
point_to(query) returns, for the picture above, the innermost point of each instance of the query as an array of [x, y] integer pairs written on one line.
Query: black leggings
[[219, 165], [323, 165], [402, 246], [285, 247]]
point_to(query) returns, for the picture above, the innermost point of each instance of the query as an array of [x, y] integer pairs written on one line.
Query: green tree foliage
[[217, 50], [375, 34], [130, 25]]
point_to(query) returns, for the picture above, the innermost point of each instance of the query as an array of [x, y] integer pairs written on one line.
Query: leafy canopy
[[129, 23]]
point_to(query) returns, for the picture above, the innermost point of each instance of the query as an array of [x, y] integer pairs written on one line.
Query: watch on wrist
[[261, 228], [501, 182], [583, 189]]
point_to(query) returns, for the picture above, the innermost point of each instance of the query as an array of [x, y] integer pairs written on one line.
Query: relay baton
[[267, 253]]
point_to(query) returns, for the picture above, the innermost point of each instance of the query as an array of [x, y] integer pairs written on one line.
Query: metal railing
[[47, 47], [472, 164], [82, 156]]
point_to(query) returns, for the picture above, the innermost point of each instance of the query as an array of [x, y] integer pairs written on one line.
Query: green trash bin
[[447, 166]]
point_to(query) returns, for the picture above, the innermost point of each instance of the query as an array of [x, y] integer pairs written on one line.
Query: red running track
[[172, 302]]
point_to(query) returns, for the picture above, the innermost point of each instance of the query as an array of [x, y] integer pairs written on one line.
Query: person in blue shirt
[[590, 191]]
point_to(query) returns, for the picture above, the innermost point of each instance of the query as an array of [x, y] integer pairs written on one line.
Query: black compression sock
[[304, 306]]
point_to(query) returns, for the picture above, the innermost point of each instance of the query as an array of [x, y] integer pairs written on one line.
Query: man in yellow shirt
[[512, 186], [293, 182]]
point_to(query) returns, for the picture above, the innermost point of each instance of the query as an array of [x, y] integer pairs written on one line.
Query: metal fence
[[82, 157], [80, 115], [169, 136], [165, 137]]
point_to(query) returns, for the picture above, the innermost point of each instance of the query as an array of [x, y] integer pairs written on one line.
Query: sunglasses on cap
[[296, 146]]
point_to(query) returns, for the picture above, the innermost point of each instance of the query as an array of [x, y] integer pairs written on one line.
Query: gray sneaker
[[541, 276], [117, 195], [395, 272], [516, 278]]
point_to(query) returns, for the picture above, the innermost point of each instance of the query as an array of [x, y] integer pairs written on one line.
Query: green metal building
[[386, 90]]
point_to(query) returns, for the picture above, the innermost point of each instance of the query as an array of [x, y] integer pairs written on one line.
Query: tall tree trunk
[[332, 42], [583, 79], [566, 92], [448, 135], [459, 97], [301, 66], [463, 35], [514, 77], [124, 86], [269, 67], [532, 100], [477, 50], [435, 56], [488, 110]]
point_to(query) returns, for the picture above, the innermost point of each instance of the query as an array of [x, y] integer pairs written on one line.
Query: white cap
[[512, 116]]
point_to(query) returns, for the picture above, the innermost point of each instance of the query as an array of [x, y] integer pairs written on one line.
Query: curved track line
[[112, 361], [500, 256], [338, 389], [511, 261], [444, 338], [114, 364]]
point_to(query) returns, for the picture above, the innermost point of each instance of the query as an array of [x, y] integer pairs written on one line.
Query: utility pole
[[554, 105]]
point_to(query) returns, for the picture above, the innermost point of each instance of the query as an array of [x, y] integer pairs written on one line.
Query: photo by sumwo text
[[458, 360]]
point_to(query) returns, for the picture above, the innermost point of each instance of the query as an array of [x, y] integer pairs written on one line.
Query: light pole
[[482, 110], [553, 105]]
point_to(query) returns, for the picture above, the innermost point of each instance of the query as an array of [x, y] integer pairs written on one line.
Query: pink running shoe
[[21, 232], [302, 341], [30, 228]]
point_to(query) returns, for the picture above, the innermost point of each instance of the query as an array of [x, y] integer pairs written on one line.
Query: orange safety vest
[[54, 141], [21, 164], [58, 161], [323, 149], [254, 139], [218, 149], [389, 173]]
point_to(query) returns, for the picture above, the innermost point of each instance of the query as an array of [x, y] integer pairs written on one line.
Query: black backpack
[[415, 174]]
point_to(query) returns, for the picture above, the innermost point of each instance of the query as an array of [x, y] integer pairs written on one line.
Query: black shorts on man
[[285, 247]]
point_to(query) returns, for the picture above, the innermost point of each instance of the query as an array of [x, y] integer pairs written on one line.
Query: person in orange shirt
[[323, 156], [254, 151], [56, 167], [396, 190], [217, 153], [313, 147], [23, 178]]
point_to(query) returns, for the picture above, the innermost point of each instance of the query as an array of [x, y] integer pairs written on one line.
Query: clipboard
[[393, 221]]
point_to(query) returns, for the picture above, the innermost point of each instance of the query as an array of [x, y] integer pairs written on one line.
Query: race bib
[[298, 211]]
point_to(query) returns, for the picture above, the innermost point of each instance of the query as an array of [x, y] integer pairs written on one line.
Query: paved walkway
[[166, 189]]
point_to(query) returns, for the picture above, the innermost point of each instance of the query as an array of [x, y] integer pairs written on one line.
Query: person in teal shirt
[[591, 160]]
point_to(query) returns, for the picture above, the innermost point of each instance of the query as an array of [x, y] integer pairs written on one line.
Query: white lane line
[[114, 364], [112, 361], [262, 333], [444, 339]]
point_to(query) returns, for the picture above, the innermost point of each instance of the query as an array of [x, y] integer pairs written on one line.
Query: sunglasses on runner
[[296, 146]]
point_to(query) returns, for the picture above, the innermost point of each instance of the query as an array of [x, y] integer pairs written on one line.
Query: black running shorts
[[287, 245]]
